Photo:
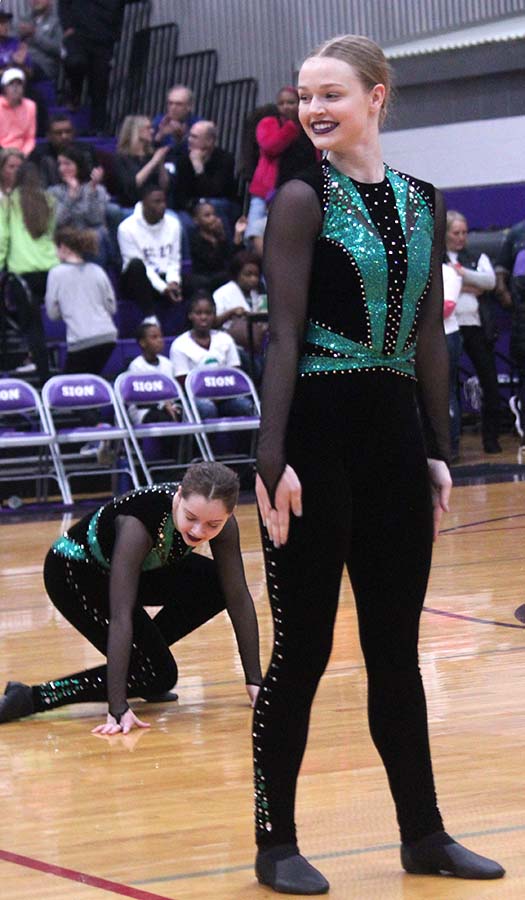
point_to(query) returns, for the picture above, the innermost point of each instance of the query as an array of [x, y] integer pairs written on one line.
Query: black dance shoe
[[439, 854], [165, 697], [17, 702], [287, 872]]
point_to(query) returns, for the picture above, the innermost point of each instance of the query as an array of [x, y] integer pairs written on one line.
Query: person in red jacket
[[278, 137]]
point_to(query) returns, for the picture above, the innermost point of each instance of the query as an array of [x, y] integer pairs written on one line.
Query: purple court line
[[80, 877], [482, 522], [450, 615]]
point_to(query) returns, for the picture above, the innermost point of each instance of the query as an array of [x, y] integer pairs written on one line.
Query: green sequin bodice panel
[[370, 275], [91, 540]]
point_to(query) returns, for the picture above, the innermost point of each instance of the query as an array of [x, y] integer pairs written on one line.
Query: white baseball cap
[[12, 75]]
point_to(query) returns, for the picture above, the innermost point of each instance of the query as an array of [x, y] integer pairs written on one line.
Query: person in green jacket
[[27, 249]]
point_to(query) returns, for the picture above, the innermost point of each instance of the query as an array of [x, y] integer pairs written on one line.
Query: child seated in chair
[[203, 345], [152, 361]]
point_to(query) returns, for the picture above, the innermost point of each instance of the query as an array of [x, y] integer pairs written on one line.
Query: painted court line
[[335, 854], [80, 877], [451, 615]]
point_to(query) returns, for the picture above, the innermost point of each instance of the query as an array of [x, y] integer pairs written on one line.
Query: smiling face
[[198, 519], [335, 109], [67, 168]]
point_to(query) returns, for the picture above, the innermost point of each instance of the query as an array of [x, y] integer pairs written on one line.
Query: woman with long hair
[[10, 162], [81, 199], [346, 477], [136, 162], [27, 250]]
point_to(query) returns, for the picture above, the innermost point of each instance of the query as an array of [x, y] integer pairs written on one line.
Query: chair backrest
[[77, 392], [133, 387], [17, 396], [218, 383]]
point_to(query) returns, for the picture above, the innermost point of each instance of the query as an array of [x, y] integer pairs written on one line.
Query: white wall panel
[[463, 154]]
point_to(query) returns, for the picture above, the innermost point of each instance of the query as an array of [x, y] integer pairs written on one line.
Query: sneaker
[[515, 408], [90, 449], [26, 368]]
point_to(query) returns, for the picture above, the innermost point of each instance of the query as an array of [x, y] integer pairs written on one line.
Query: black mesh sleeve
[[293, 225], [226, 552], [132, 545], [432, 354]]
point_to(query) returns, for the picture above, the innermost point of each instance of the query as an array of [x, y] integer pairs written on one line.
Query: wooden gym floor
[[167, 813]]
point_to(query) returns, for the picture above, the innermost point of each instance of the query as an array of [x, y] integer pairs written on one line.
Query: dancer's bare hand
[[288, 496], [253, 692], [441, 486], [128, 721]]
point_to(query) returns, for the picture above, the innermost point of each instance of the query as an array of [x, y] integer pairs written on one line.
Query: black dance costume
[[190, 588], [353, 274]]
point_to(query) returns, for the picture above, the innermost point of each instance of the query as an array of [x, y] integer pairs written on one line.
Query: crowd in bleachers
[[145, 228]]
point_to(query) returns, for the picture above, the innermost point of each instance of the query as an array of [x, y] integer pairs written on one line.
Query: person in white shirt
[[477, 276], [150, 246], [239, 296], [152, 362], [203, 345]]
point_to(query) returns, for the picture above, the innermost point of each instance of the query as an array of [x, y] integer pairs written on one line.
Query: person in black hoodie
[[91, 28]]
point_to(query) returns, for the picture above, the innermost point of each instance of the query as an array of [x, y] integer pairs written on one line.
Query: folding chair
[[218, 383], [24, 426], [133, 389], [62, 396]]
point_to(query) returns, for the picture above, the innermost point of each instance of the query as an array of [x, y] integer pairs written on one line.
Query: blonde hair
[[128, 137], [366, 57]]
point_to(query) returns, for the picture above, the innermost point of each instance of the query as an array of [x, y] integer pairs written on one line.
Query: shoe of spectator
[[26, 367], [515, 408], [90, 449], [105, 453]]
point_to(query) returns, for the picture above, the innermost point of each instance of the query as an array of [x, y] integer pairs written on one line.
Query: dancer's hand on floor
[[127, 721], [288, 496], [253, 692], [441, 486]]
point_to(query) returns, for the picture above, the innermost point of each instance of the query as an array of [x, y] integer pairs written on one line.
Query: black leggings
[[190, 592], [355, 443]]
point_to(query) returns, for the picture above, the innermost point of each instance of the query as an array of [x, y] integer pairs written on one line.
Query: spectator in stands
[[150, 246], [91, 29], [42, 32], [17, 113], [81, 199], [211, 251], [234, 301], [13, 52], [60, 136], [10, 162], [510, 274], [203, 345], [172, 128], [207, 172], [239, 296], [136, 164], [284, 150], [151, 362], [478, 276], [80, 293], [27, 249]]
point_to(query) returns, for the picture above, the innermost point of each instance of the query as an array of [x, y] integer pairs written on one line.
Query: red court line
[[123, 889]]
